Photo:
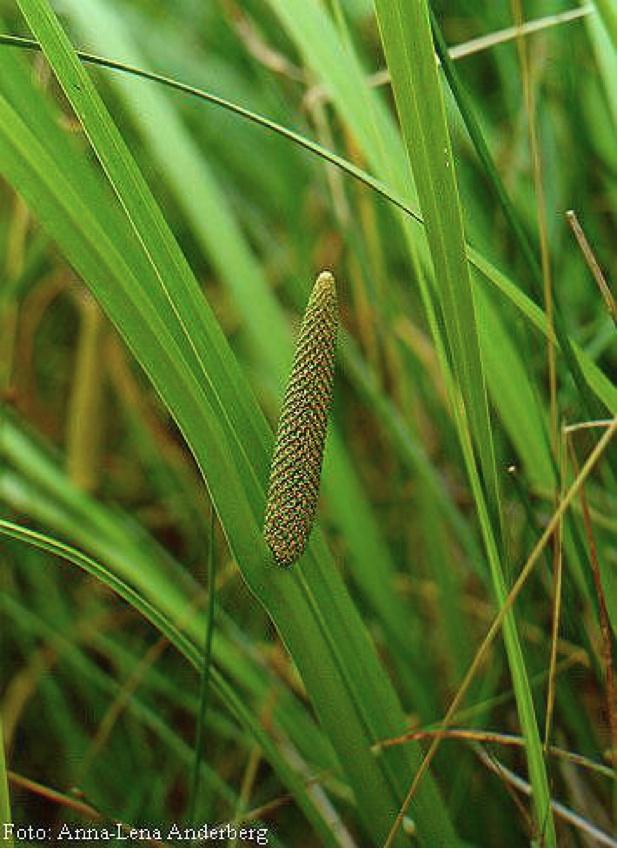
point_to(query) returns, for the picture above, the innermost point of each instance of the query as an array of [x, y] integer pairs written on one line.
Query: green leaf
[[5, 802], [408, 45]]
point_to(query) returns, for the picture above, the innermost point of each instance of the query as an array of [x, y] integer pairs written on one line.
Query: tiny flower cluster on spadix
[[301, 433]]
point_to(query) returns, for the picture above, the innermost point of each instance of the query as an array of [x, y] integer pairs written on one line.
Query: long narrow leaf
[[408, 45]]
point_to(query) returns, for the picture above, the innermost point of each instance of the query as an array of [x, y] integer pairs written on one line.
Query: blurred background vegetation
[[99, 709]]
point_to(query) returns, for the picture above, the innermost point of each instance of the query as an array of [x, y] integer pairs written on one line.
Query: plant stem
[[205, 676], [5, 802], [86, 408]]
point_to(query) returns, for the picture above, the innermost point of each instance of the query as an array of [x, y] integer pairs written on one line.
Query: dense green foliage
[[157, 249]]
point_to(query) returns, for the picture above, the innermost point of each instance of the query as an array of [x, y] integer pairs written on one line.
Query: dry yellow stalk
[[301, 433]]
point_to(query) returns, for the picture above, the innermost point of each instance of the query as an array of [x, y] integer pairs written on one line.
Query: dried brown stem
[[494, 629], [606, 631], [591, 262]]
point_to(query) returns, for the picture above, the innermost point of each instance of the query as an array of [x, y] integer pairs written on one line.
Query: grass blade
[[204, 677], [607, 13], [5, 802], [408, 45]]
